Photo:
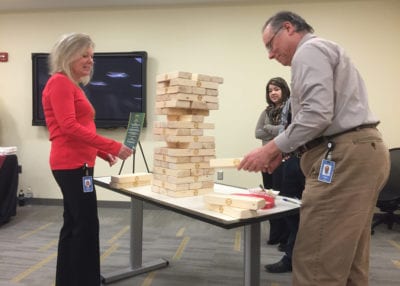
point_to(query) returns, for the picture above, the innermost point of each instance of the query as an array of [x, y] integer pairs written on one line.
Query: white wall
[[219, 40]]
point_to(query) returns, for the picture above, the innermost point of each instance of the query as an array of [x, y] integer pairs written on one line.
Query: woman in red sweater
[[74, 147]]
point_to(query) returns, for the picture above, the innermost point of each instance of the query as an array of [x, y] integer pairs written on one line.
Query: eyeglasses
[[269, 44]]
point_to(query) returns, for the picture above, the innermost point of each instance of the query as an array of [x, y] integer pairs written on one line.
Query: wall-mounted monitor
[[118, 87]]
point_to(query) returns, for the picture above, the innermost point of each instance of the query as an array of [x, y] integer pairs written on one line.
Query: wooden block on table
[[225, 162], [135, 177], [127, 185], [242, 202], [232, 211]]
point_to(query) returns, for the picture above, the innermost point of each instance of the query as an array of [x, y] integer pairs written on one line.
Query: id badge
[[326, 171], [87, 182]]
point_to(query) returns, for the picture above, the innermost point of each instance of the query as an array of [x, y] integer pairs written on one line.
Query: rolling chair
[[389, 197]]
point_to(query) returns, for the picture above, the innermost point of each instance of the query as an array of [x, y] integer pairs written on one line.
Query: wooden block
[[212, 92], [207, 84], [188, 166], [198, 90], [232, 211], [189, 193], [225, 162], [201, 77], [174, 89], [181, 111], [186, 118], [191, 145], [173, 159], [184, 152], [127, 185], [210, 98], [174, 131], [180, 194], [180, 96], [170, 172], [135, 177], [182, 82], [183, 139], [175, 74], [199, 105], [174, 104], [251, 203], [217, 79], [202, 172]]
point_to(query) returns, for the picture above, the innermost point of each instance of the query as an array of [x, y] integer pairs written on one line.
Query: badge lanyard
[[327, 165], [87, 181]]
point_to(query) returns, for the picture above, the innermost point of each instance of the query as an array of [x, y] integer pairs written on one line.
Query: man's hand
[[266, 159]]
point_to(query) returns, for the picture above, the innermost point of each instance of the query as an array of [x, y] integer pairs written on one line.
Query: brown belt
[[324, 139]]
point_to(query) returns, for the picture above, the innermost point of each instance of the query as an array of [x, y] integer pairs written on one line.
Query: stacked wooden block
[[182, 167], [236, 206]]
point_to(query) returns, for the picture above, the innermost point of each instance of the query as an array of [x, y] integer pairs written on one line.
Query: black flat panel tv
[[118, 87]]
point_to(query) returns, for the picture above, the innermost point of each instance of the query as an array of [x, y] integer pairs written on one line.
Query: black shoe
[[282, 247], [272, 242], [279, 267]]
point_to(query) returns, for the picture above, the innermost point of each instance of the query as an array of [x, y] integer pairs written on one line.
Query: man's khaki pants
[[333, 242]]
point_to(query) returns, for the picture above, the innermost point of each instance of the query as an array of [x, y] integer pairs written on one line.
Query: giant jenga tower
[[182, 167]]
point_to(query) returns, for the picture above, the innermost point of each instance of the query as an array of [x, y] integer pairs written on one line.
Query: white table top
[[195, 206]]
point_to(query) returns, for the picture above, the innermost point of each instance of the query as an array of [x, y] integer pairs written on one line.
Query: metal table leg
[[136, 242], [252, 254]]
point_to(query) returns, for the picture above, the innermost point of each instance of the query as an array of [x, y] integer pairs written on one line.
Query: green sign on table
[[135, 126]]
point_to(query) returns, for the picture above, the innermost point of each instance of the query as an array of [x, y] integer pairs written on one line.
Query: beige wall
[[219, 40]]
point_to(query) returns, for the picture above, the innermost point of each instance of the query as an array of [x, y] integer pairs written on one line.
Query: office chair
[[389, 197]]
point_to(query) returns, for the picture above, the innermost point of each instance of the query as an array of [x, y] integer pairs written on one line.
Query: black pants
[[293, 182], [278, 232], [78, 261]]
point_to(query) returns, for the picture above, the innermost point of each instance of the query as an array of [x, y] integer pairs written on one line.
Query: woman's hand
[[125, 152], [112, 160]]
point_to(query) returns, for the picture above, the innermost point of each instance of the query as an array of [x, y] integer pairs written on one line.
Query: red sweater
[[70, 121]]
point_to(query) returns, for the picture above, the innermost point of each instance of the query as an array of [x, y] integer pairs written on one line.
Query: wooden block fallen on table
[[232, 211], [225, 162], [236, 201], [127, 185]]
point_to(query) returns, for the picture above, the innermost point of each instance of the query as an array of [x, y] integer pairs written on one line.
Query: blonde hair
[[66, 50]]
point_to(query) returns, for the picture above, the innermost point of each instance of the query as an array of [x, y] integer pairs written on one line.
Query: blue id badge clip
[[327, 166], [87, 181]]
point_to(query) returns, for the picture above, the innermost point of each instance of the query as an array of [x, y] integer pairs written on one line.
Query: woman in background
[[268, 126], [74, 147]]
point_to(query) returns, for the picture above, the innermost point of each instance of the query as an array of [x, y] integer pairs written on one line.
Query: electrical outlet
[[220, 175]]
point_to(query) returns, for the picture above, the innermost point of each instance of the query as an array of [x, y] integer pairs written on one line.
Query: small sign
[[135, 126]]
